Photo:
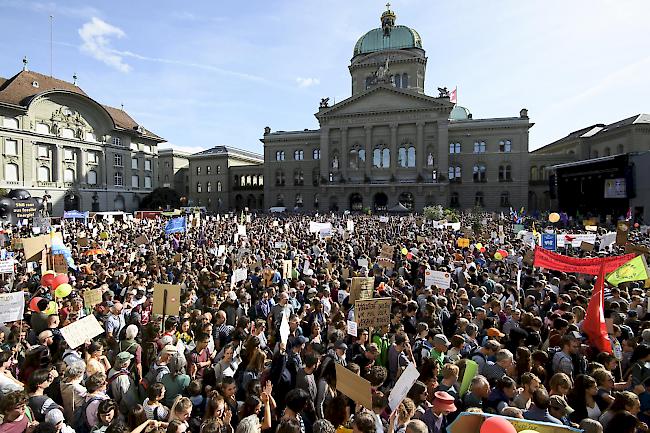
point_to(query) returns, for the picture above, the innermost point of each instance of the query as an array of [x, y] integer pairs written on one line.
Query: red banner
[[557, 262]]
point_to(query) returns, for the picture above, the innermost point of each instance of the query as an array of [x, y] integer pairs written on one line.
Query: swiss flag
[[453, 95]]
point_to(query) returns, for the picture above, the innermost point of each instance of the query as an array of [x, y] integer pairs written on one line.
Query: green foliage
[[437, 213]]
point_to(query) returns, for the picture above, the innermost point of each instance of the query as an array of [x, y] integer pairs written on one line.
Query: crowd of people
[[221, 364]]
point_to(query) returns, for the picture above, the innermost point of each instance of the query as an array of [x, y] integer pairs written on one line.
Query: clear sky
[[203, 73]]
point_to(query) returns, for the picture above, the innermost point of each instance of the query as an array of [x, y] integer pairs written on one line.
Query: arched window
[[454, 174], [478, 199], [280, 200], [11, 172], [199, 187], [406, 156], [68, 175], [315, 176], [43, 174], [454, 148], [92, 177], [198, 170], [316, 154], [410, 156], [542, 173], [10, 122], [505, 173], [298, 178], [242, 180], [376, 158], [533, 173], [279, 178], [454, 200], [249, 180], [505, 199], [405, 80], [353, 159], [385, 158], [42, 128], [254, 180], [208, 169], [260, 180], [505, 146], [479, 146], [219, 186], [397, 80], [479, 173], [401, 157], [218, 169], [208, 186], [279, 155], [298, 202], [607, 152], [299, 155]]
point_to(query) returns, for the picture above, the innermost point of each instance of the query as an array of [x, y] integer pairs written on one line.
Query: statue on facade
[[335, 162], [430, 160], [324, 103], [382, 73], [443, 92]]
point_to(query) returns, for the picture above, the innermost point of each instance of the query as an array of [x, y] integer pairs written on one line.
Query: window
[[260, 180], [454, 174], [208, 186], [42, 128], [279, 178], [135, 181], [505, 146], [357, 157], [43, 174], [620, 149], [279, 155], [479, 147], [542, 173], [381, 157], [198, 171], [505, 199], [315, 176], [406, 156], [147, 165], [219, 186], [533, 173], [68, 175], [299, 155], [118, 160], [66, 133], [316, 154], [298, 178], [118, 179], [505, 173], [43, 152], [11, 172], [479, 173], [11, 147], [607, 152], [208, 169], [397, 80], [68, 154], [92, 177], [478, 199], [594, 154], [10, 122], [280, 200], [454, 147], [218, 169], [199, 188], [117, 141], [454, 200], [134, 163], [405, 80], [298, 202]]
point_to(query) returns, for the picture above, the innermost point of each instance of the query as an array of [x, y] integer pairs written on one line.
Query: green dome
[[459, 113], [400, 37]]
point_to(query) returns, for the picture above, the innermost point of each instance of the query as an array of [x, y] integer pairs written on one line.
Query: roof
[[400, 37], [228, 151], [20, 89]]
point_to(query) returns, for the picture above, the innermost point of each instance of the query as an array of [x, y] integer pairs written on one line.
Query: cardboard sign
[[12, 306], [372, 313], [622, 229], [362, 288], [287, 269], [636, 249], [34, 246], [82, 242], [173, 299], [363, 263], [387, 251], [7, 266], [316, 227], [346, 273], [353, 386], [76, 333], [468, 422], [178, 257], [60, 265], [420, 239], [142, 240], [386, 263], [238, 275], [462, 243], [92, 297], [437, 278], [586, 246]]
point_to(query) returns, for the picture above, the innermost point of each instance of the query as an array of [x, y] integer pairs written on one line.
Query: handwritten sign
[[353, 386], [60, 265], [373, 313], [173, 305], [238, 275], [92, 297], [362, 288], [142, 240], [387, 251], [437, 278], [34, 246], [352, 328], [7, 266], [462, 243], [363, 263], [386, 263], [76, 333], [12, 306]]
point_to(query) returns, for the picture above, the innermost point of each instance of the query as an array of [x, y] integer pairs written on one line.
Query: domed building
[[390, 143]]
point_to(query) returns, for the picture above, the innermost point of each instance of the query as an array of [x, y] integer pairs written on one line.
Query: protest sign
[[82, 242], [387, 251], [462, 243], [241, 230], [238, 275], [142, 240], [284, 328], [575, 239], [437, 278], [383, 219], [353, 386], [363, 263], [34, 246], [471, 368], [386, 263], [280, 245], [350, 226], [316, 227], [60, 265], [622, 230], [403, 386], [373, 313], [7, 266], [92, 297], [12, 306], [586, 246], [352, 328], [76, 333], [173, 304], [420, 239], [549, 241], [287, 266], [607, 240], [325, 233], [362, 288], [346, 273]]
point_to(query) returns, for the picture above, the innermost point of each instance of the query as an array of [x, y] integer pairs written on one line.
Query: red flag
[[594, 324], [453, 96]]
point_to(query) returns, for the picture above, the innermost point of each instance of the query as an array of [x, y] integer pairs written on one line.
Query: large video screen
[[615, 188]]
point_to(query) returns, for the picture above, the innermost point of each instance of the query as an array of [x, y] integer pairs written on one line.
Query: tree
[[160, 199]]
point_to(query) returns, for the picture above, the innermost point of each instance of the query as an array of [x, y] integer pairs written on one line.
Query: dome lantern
[[388, 20]]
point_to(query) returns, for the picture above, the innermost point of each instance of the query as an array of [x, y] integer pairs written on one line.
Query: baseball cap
[[559, 403], [494, 332], [54, 417], [168, 350], [440, 339], [341, 346]]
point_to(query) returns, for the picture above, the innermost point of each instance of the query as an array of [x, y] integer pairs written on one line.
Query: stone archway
[[380, 202], [71, 201], [356, 202], [407, 200]]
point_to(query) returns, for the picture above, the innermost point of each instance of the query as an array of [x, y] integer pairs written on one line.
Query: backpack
[[110, 380], [420, 344], [152, 374], [79, 419], [384, 345]]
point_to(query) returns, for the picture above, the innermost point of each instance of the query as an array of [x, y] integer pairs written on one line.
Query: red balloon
[[483, 250], [47, 280], [497, 424], [33, 304], [504, 253], [409, 256], [60, 279]]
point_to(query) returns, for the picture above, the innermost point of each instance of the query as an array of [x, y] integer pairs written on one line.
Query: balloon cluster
[[8, 204], [59, 283], [501, 254]]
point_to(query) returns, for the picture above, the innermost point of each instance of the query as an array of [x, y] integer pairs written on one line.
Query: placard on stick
[[60, 265], [76, 333], [287, 270], [141, 240], [173, 299], [387, 251], [372, 313], [92, 297], [82, 242], [362, 288], [353, 386]]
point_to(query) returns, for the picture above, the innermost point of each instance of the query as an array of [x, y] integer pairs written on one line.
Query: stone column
[[442, 162], [393, 149], [368, 129], [325, 162], [59, 165], [104, 170], [420, 149], [345, 153], [81, 166]]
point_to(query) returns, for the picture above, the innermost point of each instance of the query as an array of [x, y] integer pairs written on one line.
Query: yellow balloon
[[51, 308], [498, 256], [49, 272], [405, 251], [479, 246], [103, 235], [554, 217], [63, 290]]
